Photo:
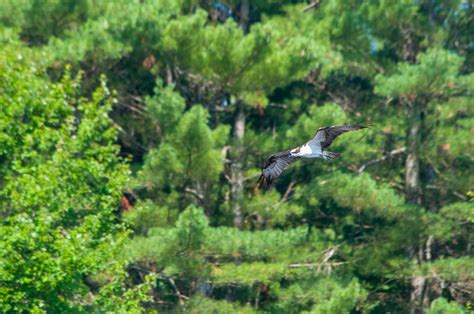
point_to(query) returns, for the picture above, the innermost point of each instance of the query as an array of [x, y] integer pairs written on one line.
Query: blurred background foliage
[[132, 134]]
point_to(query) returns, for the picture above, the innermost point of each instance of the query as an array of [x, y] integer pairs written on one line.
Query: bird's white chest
[[306, 151]]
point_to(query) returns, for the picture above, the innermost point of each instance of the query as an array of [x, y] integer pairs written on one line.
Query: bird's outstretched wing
[[325, 136], [273, 167], [313, 149]]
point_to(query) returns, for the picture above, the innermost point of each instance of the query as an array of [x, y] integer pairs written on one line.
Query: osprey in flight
[[315, 148]]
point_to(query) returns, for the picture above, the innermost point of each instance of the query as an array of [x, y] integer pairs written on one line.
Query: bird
[[315, 148]]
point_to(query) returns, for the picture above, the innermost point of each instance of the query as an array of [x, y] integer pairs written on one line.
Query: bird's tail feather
[[263, 182], [330, 155]]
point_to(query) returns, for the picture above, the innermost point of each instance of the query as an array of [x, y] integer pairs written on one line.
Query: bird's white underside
[[307, 151]]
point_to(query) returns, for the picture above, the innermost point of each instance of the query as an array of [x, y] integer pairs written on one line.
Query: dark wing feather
[[325, 136], [274, 167]]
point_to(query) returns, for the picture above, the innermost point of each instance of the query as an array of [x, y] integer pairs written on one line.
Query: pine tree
[[205, 91]]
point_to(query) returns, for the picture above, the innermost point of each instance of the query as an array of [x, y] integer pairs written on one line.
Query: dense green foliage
[[132, 134]]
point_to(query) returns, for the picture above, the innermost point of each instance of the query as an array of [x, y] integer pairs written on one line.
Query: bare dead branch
[[180, 296], [195, 193], [460, 196], [377, 160], [314, 5], [272, 104], [304, 265], [289, 189], [313, 265]]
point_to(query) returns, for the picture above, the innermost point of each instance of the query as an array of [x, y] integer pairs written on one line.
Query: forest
[[133, 132]]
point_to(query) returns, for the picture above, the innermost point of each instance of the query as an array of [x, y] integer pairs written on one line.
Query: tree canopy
[[132, 134]]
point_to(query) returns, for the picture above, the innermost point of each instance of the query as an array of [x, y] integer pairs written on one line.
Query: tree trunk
[[412, 193], [237, 175], [244, 15], [417, 294], [169, 75], [412, 162]]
